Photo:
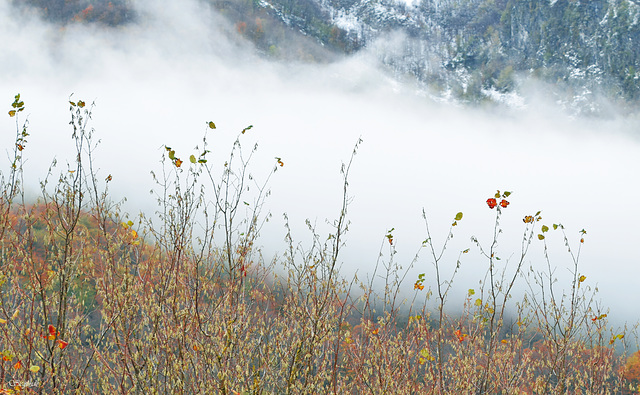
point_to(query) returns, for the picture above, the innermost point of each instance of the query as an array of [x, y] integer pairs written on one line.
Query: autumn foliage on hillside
[[105, 12], [183, 301]]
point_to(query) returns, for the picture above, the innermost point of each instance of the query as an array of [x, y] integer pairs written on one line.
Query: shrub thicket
[[184, 302]]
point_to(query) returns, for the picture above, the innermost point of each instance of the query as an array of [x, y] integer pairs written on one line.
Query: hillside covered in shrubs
[[183, 301]]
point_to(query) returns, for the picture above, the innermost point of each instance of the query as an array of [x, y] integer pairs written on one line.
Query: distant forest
[[463, 47], [112, 13]]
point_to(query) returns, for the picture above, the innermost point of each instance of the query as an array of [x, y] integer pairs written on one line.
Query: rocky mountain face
[[470, 51], [481, 50]]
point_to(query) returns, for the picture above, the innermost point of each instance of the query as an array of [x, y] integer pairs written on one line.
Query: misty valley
[[319, 196]]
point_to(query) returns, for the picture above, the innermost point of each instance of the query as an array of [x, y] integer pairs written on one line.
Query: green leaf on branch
[[540, 237], [458, 216], [192, 159], [212, 125]]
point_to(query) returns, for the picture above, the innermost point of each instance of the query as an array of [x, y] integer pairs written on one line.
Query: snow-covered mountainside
[[470, 51], [482, 50]]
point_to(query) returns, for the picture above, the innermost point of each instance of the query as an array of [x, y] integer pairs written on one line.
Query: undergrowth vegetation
[[183, 301]]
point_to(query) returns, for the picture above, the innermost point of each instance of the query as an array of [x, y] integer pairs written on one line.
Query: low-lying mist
[[158, 82]]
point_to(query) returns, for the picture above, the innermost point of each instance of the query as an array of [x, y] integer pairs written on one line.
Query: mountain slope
[[471, 51]]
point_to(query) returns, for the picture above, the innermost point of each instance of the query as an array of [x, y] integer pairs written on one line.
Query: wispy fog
[[158, 82]]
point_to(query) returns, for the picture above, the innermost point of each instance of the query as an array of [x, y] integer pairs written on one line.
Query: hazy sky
[[159, 82]]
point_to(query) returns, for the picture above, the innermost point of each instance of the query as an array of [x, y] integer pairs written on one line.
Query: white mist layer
[[159, 82]]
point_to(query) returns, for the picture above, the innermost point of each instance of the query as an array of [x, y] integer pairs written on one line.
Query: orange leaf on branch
[[52, 332], [460, 336]]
